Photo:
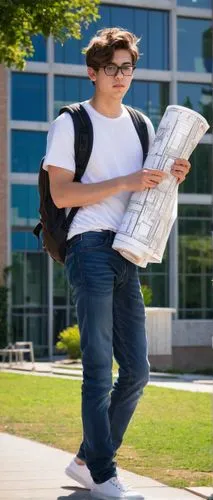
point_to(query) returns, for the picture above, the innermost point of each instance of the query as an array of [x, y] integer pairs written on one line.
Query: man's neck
[[106, 107]]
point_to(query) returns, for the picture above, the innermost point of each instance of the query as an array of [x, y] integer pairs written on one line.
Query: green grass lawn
[[168, 439]]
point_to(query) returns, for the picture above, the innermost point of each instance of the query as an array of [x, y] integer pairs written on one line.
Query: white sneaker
[[113, 489], [79, 473]]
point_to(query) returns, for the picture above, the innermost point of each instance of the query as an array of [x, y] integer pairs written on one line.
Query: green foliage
[[21, 19], [147, 294], [69, 341], [199, 252]]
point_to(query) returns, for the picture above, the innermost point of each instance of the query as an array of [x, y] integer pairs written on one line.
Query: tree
[[21, 19], [199, 252]]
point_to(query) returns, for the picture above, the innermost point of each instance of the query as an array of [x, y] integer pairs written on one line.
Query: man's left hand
[[180, 169]]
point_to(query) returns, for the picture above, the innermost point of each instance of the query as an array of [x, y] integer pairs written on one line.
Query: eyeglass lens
[[112, 69]]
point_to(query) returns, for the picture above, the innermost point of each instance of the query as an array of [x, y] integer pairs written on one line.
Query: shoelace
[[116, 482]]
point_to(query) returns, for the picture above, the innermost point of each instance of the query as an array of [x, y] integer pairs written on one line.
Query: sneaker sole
[[100, 496], [77, 478]]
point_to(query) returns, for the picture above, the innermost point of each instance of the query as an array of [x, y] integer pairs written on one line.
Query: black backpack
[[53, 221]]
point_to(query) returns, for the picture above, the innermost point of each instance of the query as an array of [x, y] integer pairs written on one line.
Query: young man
[[106, 286]]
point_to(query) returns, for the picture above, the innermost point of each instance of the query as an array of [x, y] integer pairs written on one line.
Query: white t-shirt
[[116, 152]]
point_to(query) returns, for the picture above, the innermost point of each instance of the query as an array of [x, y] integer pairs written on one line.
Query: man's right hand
[[143, 179]]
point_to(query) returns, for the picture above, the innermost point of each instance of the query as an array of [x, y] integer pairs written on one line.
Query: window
[[196, 35], [30, 298], [28, 147], [29, 277], [71, 51], [157, 278], [60, 287], [29, 100], [142, 22], [155, 49], [201, 4], [59, 324], [69, 90], [149, 97], [199, 179], [40, 46], [24, 240], [197, 96], [63, 305], [195, 262], [25, 205]]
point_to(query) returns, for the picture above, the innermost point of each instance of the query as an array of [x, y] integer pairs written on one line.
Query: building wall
[[186, 345], [191, 333], [192, 344], [3, 169]]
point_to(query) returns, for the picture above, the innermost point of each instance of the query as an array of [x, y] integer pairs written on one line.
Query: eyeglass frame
[[119, 68]]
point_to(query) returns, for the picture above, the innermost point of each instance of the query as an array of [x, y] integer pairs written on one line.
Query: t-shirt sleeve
[[60, 144]]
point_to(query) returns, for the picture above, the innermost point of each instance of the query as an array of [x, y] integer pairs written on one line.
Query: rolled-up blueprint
[[149, 217]]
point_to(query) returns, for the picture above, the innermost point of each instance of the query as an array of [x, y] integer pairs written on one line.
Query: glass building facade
[[175, 67]]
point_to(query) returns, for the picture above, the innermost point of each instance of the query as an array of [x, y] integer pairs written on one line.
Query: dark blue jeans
[[111, 319]]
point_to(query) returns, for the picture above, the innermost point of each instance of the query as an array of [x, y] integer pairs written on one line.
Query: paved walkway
[[34, 471], [185, 382]]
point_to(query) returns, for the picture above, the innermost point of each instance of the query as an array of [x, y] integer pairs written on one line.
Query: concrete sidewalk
[[34, 471]]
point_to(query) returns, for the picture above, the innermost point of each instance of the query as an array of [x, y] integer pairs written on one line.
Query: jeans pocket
[[90, 241], [94, 242]]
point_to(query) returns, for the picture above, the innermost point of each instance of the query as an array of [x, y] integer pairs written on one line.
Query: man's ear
[[91, 74]]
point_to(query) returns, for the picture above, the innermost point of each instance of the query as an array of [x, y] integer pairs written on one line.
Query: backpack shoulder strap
[[83, 144], [83, 136], [42, 175], [141, 129]]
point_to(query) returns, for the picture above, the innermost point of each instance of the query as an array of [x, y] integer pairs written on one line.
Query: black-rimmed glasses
[[112, 69]]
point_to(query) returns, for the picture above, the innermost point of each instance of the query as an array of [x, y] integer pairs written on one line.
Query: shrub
[[147, 294], [69, 341]]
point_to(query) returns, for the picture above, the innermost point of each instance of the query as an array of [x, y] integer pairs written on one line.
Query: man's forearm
[[67, 193], [75, 194]]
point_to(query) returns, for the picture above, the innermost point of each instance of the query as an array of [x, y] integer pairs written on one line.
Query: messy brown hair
[[102, 46]]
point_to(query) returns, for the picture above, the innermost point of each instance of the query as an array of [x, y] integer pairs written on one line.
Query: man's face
[[112, 85]]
